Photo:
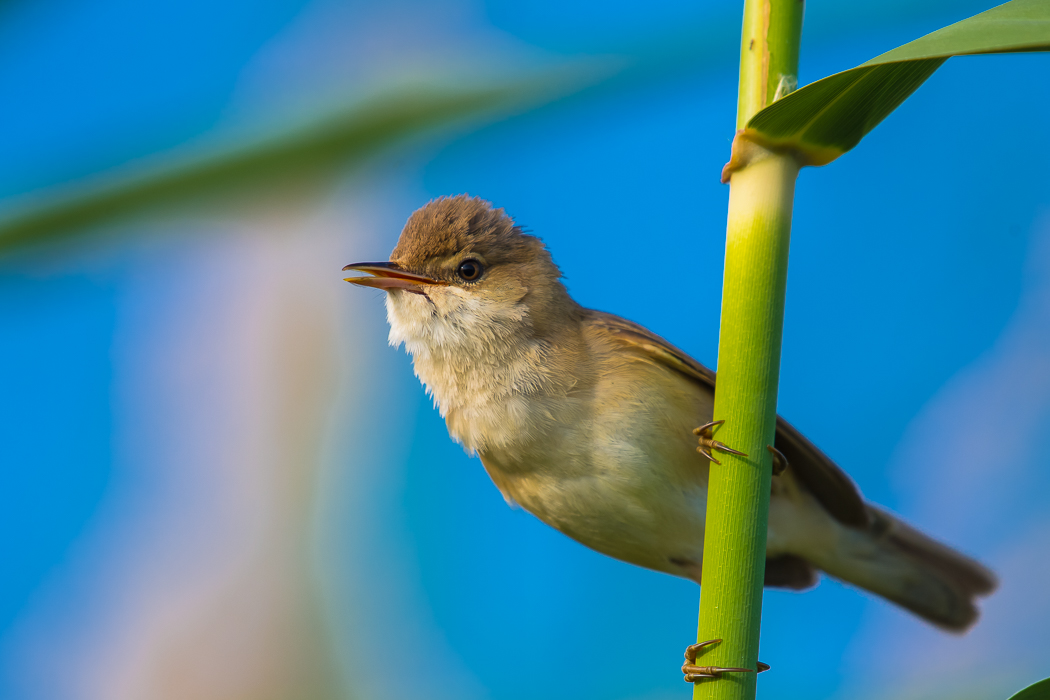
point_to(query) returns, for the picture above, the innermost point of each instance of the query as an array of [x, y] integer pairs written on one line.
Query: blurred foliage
[[829, 117], [296, 157]]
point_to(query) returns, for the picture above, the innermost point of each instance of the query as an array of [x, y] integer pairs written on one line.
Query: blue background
[[912, 259]]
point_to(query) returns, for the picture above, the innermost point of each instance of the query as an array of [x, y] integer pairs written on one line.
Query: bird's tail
[[899, 563]]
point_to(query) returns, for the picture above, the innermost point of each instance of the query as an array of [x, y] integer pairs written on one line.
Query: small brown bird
[[586, 420]]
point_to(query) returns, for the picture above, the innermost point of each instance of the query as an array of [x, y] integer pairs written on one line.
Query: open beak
[[387, 276]]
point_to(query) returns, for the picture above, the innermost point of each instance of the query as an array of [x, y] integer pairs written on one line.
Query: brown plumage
[[584, 419]]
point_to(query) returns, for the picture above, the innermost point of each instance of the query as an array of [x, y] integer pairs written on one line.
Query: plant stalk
[[753, 290]]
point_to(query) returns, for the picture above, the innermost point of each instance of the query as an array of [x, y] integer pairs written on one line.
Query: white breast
[[478, 363]]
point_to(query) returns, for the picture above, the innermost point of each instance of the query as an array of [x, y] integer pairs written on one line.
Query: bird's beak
[[387, 276]]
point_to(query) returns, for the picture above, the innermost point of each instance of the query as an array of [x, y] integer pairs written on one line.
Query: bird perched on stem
[[587, 420]]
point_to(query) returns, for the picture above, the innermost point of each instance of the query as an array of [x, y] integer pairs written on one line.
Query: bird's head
[[464, 277]]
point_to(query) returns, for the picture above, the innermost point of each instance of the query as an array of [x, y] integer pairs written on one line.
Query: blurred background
[[217, 480]]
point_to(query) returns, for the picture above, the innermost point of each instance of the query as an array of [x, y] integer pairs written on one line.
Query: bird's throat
[[484, 368]]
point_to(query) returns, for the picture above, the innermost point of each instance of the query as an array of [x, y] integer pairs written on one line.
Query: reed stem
[[757, 238]]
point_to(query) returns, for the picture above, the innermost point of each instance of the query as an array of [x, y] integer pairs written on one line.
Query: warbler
[[586, 420]]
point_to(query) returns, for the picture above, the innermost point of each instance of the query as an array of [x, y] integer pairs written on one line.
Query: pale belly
[[612, 463], [638, 493]]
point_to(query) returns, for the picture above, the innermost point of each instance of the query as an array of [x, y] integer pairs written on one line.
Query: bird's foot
[[694, 673], [707, 443], [780, 462]]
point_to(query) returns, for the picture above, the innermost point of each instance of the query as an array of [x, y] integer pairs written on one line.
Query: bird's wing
[[831, 486], [652, 345], [824, 479]]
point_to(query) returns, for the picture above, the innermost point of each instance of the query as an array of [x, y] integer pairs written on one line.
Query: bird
[[587, 421]]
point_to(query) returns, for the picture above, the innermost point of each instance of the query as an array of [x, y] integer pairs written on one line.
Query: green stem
[[758, 233], [768, 53]]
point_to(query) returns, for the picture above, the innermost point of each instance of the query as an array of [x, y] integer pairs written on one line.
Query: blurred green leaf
[[285, 160], [827, 118], [1036, 691]]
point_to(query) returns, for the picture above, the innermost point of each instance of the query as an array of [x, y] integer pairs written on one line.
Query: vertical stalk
[[757, 237]]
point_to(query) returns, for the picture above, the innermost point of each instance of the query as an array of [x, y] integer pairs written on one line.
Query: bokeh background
[[218, 481]]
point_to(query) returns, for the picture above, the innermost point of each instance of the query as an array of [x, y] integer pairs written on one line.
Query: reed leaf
[[1039, 690], [338, 140], [827, 118]]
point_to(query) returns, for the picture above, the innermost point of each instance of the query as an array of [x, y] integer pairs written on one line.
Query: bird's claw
[[707, 443], [694, 673], [780, 462]]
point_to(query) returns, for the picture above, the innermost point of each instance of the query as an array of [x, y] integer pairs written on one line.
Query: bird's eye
[[469, 270]]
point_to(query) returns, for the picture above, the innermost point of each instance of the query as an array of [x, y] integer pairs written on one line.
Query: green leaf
[[278, 162], [825, 119], [1036, 691]]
